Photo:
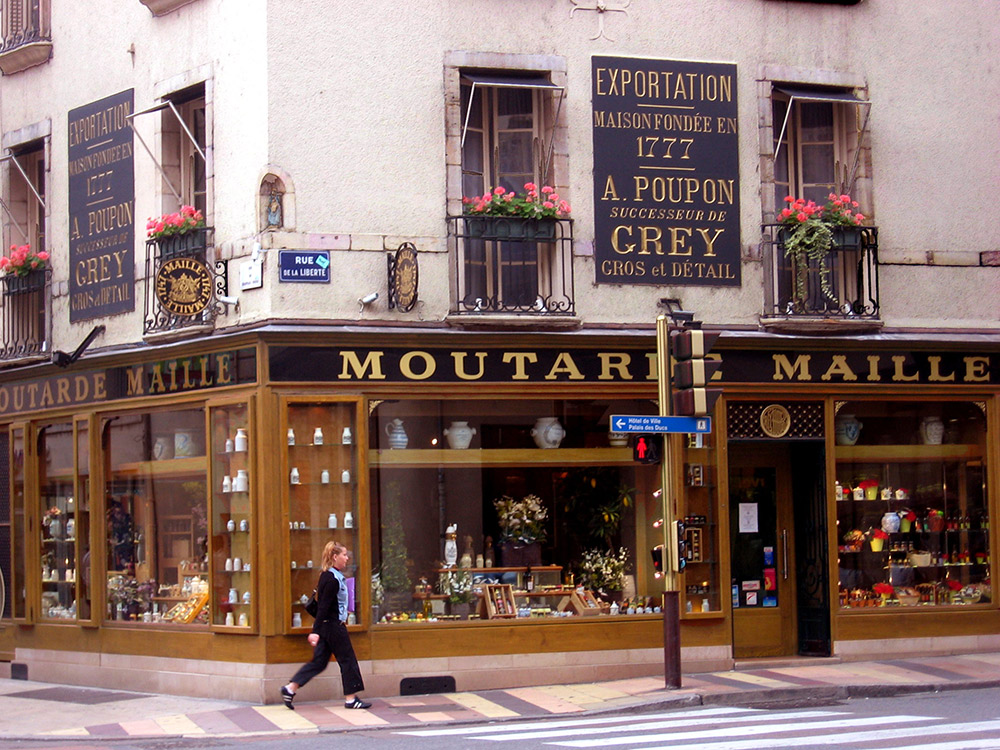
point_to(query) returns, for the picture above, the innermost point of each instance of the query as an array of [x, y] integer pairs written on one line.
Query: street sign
[[309, 266], [650, 423]]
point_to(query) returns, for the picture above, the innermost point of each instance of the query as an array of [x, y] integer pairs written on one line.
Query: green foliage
[[394, 573], [597, 497]]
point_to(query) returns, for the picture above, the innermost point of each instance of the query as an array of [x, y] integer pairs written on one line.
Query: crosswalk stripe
[[672, 722], [743, 731], [558, 723], [932, 731]]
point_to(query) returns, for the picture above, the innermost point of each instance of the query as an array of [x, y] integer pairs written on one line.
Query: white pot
[[547, 432], [396, 434], [847, 429], [240, 443], [931, 430], [459, 435], [618, 439]]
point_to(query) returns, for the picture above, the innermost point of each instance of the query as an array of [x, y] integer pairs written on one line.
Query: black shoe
[[356, 703], [288, 696]]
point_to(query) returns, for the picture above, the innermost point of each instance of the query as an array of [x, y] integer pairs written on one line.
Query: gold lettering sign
[[184, 286]]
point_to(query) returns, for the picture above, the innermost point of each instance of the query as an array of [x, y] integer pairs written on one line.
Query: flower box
[[510, 228], [15, 284], [180, 245]]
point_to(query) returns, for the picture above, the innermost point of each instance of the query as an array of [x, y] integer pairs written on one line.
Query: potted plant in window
[[507, 215], [522, 529], [808, 233], [603, 571], [23, 270], [458, 587], [177, 233]]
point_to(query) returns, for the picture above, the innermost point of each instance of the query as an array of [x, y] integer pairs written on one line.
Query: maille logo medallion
[[184, 286], [775, 421]]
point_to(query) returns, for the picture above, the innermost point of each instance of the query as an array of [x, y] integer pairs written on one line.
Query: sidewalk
[[44, 710]]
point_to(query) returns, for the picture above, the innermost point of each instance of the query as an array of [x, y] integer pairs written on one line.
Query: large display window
[[512, 509], [157, 521], [913, 521]]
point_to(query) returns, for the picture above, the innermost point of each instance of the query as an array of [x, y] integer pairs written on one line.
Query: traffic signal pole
[[671, 584]]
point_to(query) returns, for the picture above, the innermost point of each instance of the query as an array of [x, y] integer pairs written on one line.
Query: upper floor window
[[510, 124], [184, 134], [26, 196], [817, 143], [27, 39]]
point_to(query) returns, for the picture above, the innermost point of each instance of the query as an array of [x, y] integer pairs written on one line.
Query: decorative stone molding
[[162, 7]]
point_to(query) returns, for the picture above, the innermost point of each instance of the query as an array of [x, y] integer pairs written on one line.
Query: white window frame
[[24, 203], [184, 190]]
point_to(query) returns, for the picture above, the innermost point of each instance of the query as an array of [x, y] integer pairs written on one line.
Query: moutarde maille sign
[[666, 172], [101, 209]]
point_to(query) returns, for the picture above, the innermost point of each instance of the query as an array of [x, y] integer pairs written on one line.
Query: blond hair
[[331, 549]]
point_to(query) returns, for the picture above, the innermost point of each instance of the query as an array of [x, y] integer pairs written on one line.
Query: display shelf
[[417, 457], [170, 467], [892, 453]]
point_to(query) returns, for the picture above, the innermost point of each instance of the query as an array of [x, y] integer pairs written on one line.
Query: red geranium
[[879, 534], [186, 220], [954, 585], [884, 589], [867, 483], [23, 260]]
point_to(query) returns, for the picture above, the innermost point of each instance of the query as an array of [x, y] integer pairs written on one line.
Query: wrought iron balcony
[[27, 39], [24, 316], [182, 289], [842, 284], [506, 264]]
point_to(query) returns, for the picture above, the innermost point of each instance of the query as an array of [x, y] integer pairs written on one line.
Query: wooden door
[[762, 551]]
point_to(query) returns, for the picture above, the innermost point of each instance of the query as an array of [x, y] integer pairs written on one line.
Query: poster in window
[[101, 208], [666, 172]]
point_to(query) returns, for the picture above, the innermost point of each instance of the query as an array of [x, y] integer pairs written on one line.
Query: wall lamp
[[62, 359]]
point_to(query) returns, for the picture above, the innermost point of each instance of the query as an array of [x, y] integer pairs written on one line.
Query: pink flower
[[801, 216], [43, 256], [499, 191], [546, 189], [548, 204], [530, 187]]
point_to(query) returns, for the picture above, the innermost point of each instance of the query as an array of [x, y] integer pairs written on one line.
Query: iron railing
[[506, 264], [841, 284], [24, 318], [24, 22], [194, 245]]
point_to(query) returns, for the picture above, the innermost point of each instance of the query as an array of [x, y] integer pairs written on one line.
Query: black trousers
[[333, 641]]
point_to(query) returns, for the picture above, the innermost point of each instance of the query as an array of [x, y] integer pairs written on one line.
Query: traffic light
[[648, 449], [681, 546], [692, 372], [657, 554]]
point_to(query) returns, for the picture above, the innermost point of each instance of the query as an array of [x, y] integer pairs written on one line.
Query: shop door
[[762, 551]]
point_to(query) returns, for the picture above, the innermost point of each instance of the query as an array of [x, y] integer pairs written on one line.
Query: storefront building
[[335, 348]]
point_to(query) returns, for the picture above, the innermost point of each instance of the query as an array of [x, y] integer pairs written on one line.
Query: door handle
[[784, 554]]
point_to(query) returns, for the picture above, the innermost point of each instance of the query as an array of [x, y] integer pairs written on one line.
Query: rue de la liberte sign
[[666, 172]]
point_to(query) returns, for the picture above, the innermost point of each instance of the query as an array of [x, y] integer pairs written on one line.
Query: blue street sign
[[647, 423], [304, 266]]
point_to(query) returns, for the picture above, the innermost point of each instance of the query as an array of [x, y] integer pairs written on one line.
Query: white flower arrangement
[[521, 521], [378, 592], [602, 570], [456, 585]]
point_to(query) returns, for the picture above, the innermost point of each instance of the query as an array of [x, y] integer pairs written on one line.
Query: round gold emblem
[[775, 421], [405, 277], [184, 286]]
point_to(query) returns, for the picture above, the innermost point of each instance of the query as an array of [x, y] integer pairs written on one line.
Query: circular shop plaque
[[184, 286], [775, 421], [405, 277]]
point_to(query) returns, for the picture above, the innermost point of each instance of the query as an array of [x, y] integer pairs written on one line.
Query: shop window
[[488, 509], [913, 521], [24, 297], [27, 38], [65, 522], [508, 132], [157, 517]]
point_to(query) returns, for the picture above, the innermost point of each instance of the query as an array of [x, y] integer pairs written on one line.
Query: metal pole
[[671, 595]]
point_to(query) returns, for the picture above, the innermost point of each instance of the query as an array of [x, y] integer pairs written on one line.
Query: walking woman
[[329, 634]]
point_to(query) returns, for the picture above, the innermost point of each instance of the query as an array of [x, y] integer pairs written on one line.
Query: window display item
[[244, 621], [324, 477], [296, 620], [345, 476], [231, 525], [227, 484], [847, 429], [244, 525], [931, 430], [295, 475], [184, 444], [229, 565], [163, 448], [348, 520], [246, 597], [450, 546], [237, 564], [346, 438], [318, 436], [229, 446], [397, 434], [229, 619], [241, 442], [547, 432], [234, 596], [459, 435], [291, 436], [242, 481], [331, 521]]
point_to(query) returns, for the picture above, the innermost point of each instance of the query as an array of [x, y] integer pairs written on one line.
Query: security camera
[[228, 300], [369, 298]]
